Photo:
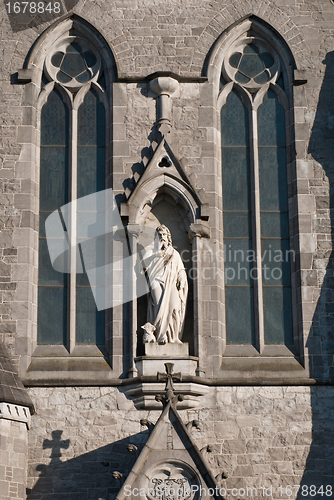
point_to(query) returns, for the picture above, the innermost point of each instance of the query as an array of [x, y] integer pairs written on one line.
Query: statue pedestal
[[156, 355], [143, 392], [154, 349]]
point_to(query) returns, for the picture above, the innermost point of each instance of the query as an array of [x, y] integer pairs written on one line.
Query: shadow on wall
[[319, 467], [98, 474], [22, 16]]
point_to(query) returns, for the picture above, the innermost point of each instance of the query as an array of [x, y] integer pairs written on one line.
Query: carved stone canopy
[[165, 172]]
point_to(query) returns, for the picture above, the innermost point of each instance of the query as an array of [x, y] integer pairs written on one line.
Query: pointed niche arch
[[165, 195]]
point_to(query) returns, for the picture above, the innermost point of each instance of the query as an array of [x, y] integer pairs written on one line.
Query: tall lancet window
[[258, 258], [73, 103]]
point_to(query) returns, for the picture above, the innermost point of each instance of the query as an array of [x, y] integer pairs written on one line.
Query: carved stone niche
[[165, 195]]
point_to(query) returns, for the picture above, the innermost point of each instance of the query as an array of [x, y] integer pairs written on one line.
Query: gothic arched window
[[73, 103], [254, 138]]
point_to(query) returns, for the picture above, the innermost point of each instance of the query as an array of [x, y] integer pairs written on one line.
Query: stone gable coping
[[11, 387]]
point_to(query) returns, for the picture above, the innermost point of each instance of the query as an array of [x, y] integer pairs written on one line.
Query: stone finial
[[193, 423], [117, 475], [148, 424], [169, 377], [164, 87]]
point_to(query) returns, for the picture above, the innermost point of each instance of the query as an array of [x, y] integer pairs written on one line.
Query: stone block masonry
[[257, 436], [13, 459]]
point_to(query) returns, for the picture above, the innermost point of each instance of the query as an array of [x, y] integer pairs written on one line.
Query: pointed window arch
[[74, 105], [254, 99]]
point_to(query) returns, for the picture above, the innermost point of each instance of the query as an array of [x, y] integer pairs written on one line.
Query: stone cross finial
[[169, 377], [56, 444]]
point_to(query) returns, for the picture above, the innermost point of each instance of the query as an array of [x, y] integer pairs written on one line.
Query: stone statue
[[167, 280]]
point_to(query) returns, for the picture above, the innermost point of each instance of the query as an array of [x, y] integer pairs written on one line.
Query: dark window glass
[[237, 225], [74, 64], [91, 179], [54, 121], [91, 175], [239, 257], [276, 254], [275, 262], [47, 275], [252, 64], [271, 129], [236, 221], [277, 315], [239, 315], [274, 225], [239, 261], [234, 120], [235, 59], [262, 78], [273, 181], [52, 293], [53, 178], [52, 315], [91, 122], [89, 321]]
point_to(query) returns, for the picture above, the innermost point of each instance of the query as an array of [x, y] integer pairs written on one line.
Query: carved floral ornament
[[251, 62], [175, 480]]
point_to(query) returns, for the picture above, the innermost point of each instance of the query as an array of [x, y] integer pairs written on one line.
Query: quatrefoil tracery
[[251, 62], [73, 63]]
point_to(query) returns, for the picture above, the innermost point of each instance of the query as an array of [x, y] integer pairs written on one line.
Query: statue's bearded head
[[163, 238]]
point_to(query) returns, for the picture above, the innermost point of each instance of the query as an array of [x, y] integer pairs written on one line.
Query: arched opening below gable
[[166, 210]]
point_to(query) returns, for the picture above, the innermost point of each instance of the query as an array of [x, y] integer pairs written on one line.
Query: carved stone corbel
[[200, 230], [164, 87]]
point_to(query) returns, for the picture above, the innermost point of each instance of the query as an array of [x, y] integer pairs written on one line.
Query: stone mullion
[[196, 233], [256, 232], [198, 301], [133, 232], [73, 229]]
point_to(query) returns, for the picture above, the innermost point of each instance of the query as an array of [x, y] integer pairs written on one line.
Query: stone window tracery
[[254, 137], [251, 63], [73, 123], [73, 63]]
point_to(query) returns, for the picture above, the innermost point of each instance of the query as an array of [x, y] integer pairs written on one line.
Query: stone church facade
[[215, 118]]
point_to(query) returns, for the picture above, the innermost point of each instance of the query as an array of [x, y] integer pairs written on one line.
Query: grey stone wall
[[13, 459], [258, 436], [261, 436], [148, 36]]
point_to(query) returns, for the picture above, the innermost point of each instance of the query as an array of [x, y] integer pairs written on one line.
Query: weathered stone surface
[[275, 428]]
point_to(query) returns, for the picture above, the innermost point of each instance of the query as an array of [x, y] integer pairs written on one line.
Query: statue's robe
[[168, 295]]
